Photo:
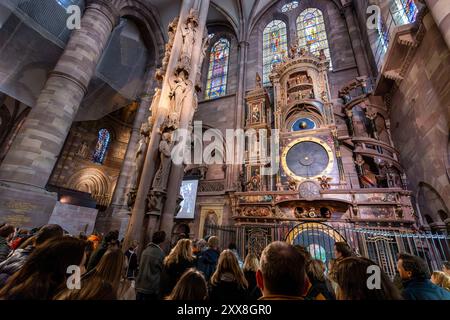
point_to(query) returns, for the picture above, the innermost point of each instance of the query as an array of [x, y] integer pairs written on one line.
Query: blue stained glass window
[[303, 124], [218, 69], [289, 6], [274, 47], [408, 10], [102, 146], [312, 34]]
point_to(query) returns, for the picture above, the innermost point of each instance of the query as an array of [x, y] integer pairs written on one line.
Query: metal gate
[[380, 245]]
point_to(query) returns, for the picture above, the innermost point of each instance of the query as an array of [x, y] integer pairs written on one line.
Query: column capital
[[107, 8]]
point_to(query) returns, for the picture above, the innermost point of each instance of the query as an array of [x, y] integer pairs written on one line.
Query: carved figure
[[325, 182], [255, 182], [188, 33], [258, 81], [165, 149]]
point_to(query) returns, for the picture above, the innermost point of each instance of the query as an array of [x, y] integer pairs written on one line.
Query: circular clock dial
[[307, 159]]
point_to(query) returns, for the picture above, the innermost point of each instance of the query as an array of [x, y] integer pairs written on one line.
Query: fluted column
[[36, 148], [29, 162], [355, 39], [440, 10], [186, 117], [234, 170]]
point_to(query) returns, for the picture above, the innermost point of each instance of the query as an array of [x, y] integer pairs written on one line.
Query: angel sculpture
[[325, 182]]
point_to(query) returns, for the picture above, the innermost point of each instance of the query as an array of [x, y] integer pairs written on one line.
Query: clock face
[[307, 159]]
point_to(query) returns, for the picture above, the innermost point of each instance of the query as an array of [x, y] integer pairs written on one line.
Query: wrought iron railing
[[380, 245]]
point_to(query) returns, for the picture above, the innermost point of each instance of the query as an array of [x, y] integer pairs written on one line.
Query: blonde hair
[[316, 270], [228, 263], [213, 242], [251, 262], [442, 279], [182, 250]]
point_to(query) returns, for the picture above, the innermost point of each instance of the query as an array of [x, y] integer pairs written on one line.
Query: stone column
[[234, 170], [440, 10], [30, 161], [355, 39], [186, 117], [137, 228]]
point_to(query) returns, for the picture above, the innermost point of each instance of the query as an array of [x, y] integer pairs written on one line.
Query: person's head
[[45, 270], [228, 264], [251, 262], [446, 267], [441, 279], [352, 276], [48, 232], [135, 244], [411, 267], [315, 270], [111, 237], [159, 237], [110, 267], [181, 251], [213, 242], [7, 231], [342, 250], [232, 246], [201, 244], [281, 271], [192, 286]]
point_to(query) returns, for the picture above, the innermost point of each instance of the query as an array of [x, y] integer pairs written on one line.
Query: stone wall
[[75, 168], [420, 115]]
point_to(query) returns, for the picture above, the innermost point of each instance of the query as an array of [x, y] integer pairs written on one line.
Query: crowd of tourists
[[39, 264]]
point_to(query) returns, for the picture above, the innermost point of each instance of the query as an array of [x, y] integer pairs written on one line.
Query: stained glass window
[[274, 47], [102, 145], [289, 6], [311, 32], [407, 11], [218, 69]]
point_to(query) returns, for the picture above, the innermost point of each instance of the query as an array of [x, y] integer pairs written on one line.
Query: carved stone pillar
[[355, 38], [32, 157], [187, 113], [233, 174], [139, 222]]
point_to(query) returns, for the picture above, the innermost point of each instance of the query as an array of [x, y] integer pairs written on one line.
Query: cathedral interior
[[356, 94]]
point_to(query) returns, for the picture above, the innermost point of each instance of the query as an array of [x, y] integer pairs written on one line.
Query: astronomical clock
[[325, 171]]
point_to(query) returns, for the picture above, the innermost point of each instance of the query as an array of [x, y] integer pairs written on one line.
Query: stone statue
[[140, 151], [172, 29], [189, 34], [259, 84], [180, 87], [294, 50], [165, 149], [155, 202]]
